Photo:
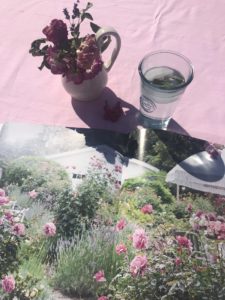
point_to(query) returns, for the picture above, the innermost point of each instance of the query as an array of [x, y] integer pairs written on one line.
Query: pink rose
[[2, 193], [138, 265], [19, 229], [100, 276], [49, 229], [33, 194], [120, 225], [183, 241], [140, 239], [178, 261], [199, 213], [56, 32], [8, 284], [3, 200], [103, 298], [147, 209], [121, 248], [8, 215]]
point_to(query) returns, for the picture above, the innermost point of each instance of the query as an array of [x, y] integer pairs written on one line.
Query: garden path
[[58, 296]]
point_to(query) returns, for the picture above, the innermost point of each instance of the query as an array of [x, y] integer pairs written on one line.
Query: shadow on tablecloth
[[92, 113]]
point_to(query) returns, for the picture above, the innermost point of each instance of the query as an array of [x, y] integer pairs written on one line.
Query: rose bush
[[168, 265]]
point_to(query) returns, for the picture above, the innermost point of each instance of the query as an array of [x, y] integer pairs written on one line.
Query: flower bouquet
[[77, 58]]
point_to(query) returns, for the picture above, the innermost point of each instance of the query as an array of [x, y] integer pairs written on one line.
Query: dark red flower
[[56, 66], [88, 53], [113, 113], [56, 32]]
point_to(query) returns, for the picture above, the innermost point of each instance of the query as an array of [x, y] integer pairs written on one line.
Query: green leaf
[[94, 27], [86, 16]]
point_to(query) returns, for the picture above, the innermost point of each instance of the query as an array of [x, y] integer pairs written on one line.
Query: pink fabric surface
[[195, 28]]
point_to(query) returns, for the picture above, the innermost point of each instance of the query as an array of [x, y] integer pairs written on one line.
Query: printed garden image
[[106, 241]]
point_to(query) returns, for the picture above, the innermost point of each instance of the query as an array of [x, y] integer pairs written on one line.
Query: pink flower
[[103, 298], [88, 52], [8, 284], [19, 229], [8, 215], [100, 276], [140, 239], [1, 221], [2, 193], [3, 200], [178, 261], [118, 169], [56, 32], [183, 241], [199, 213], [138, 265], [120, 225], [121, 248], [33, 194], [49, 229], [147, 209]]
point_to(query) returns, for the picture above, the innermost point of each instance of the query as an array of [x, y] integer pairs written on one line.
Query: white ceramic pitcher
[[90, 89]]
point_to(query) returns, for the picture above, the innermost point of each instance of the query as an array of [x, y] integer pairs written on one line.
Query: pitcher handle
[[104, 32]]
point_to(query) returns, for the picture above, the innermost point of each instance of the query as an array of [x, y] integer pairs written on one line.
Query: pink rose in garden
[[49, 229], [8, 284], [121, 248], [3, 200], [103, 298], [2, 193], [33, 194], [140, 239], [199, 213], [100, 276], [216, 229], [120, 225], [19, 229], [8, 215], [184, 242], [56, 32], [147, 209], [138, 265], [178, 261]]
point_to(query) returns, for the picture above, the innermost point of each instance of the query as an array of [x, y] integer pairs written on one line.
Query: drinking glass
[[164, 77]]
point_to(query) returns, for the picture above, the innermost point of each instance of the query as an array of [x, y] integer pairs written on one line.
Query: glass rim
[[154, 86]]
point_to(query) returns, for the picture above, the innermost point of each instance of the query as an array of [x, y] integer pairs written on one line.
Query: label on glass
[[147, 104]]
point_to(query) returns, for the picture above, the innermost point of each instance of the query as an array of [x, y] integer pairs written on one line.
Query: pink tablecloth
[[196, 28]]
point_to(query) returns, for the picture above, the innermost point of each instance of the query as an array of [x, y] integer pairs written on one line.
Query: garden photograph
[[109, 236]]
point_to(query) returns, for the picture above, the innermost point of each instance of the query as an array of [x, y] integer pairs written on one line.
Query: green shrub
[[162, 191], [179, 210], [46, 177], [76, 211]]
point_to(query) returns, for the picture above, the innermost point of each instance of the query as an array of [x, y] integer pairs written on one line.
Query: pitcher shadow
[[92, 113]]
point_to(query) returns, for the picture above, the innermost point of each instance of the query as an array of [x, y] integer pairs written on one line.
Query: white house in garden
[[81, 161]]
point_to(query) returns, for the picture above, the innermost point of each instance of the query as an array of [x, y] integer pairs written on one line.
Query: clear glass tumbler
[[164, 77]]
